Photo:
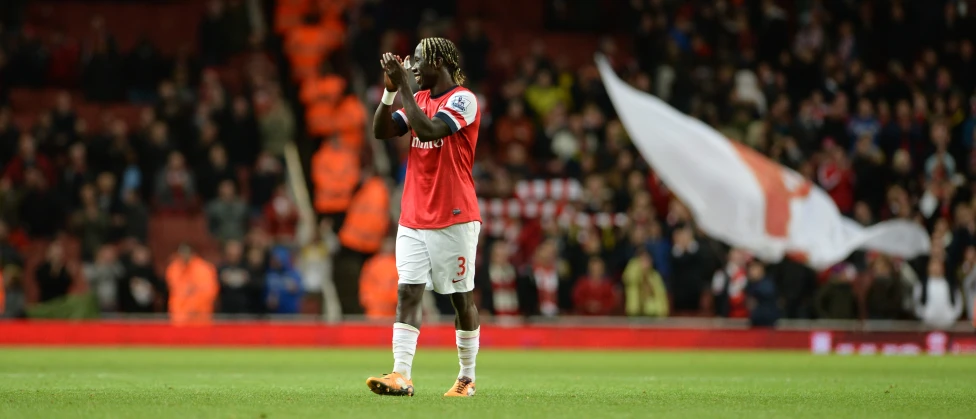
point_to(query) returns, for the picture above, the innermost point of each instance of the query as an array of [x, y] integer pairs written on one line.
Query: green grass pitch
[[307, 383]]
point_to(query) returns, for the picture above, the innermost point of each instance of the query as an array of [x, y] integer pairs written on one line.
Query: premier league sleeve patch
[[460, 103]]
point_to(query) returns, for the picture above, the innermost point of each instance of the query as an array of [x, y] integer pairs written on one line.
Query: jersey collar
[[445, 92]]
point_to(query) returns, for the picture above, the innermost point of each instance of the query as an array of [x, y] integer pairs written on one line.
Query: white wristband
[[388, 97]]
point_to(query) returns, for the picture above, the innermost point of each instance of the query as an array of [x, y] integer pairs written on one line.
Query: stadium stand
[[283, 90]]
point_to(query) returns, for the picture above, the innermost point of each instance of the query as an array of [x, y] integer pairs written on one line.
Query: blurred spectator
[[13, 301], [140, 289], [224, 30], [595, 294], [53, 276], [240, 128], [277, 124], [76, 175], [153, 153], [29, 61], [835, 298], [41, 211], [763, 308], [729, 286], [474, 46], [257, 269], [267, 175], [10, 202], [551, 284], [104, 276], [227, 214], [215, 172], [940, 165], [102, 66], [543, 95], [238, 288], [206, 141], [27, 158], [644, 291], [281, 215], [869, 171], [63, 118], [131, 174], [143, 69], [10, 257], [283, 284], [213, 32], [106, 193], [90, 223], [500, 283], [514, 128], [797, 285], [335, 173], [175, 185], [836, 177], [865, 123], [378, 283], [884, 293], [315, 265], [937, 304], [193, 288], [9, 134], [688, 272], [134, 217]]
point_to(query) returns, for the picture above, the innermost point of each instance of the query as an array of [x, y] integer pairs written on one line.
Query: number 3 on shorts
[[461, 266]]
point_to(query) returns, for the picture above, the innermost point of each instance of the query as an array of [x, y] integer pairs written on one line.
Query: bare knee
[[463, 302], [410, 298], [467, 311]]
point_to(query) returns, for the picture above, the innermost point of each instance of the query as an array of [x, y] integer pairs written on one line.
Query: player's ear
[[438, 63]]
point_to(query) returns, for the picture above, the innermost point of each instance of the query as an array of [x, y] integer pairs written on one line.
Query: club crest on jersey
[[460, 103], [438, 143]]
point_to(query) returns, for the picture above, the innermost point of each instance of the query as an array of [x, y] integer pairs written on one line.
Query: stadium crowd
[[873, 101]]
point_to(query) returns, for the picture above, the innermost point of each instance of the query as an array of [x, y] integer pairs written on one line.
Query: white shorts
[[442, 259]]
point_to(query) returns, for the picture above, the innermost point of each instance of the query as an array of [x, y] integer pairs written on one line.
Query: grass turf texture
[[229, 383]]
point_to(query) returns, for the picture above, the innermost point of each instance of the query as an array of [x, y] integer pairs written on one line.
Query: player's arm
[[427, 129], [386, 122]]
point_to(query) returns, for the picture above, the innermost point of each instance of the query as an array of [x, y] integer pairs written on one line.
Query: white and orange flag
[[743, 198]]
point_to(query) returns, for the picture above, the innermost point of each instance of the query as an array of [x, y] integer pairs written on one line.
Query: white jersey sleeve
[[460, 110]]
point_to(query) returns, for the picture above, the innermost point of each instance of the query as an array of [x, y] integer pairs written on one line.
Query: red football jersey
[[438, 190]]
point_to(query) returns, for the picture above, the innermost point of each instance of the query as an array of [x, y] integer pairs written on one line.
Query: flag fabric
[[742, 197]]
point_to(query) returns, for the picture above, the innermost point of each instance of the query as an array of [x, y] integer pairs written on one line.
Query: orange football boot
[[463, 387], [392, 384]]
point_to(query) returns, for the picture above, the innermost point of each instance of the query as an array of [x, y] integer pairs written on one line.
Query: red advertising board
[[266, 334]]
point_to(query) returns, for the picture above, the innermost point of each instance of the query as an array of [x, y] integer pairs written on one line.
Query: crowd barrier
[[525, 336]]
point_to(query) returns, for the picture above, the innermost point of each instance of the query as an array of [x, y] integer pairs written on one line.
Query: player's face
[[423, 71]]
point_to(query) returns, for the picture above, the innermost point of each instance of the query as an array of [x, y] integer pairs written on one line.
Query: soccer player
[[440, 221]]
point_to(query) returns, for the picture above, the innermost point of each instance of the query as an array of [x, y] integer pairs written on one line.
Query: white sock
[[467, 344], [404, 347]]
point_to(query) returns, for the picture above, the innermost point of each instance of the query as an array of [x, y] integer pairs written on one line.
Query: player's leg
[[452, 269], [406, 330], [413, 268], [467, 336]]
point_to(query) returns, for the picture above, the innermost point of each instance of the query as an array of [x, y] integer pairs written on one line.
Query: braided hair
[[441, 47]]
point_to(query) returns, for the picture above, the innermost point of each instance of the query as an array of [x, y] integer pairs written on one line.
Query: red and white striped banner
[[501, 216], [517, 208], [554, 189]]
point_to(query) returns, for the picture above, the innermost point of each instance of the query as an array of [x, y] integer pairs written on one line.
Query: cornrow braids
[[444, 48]]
